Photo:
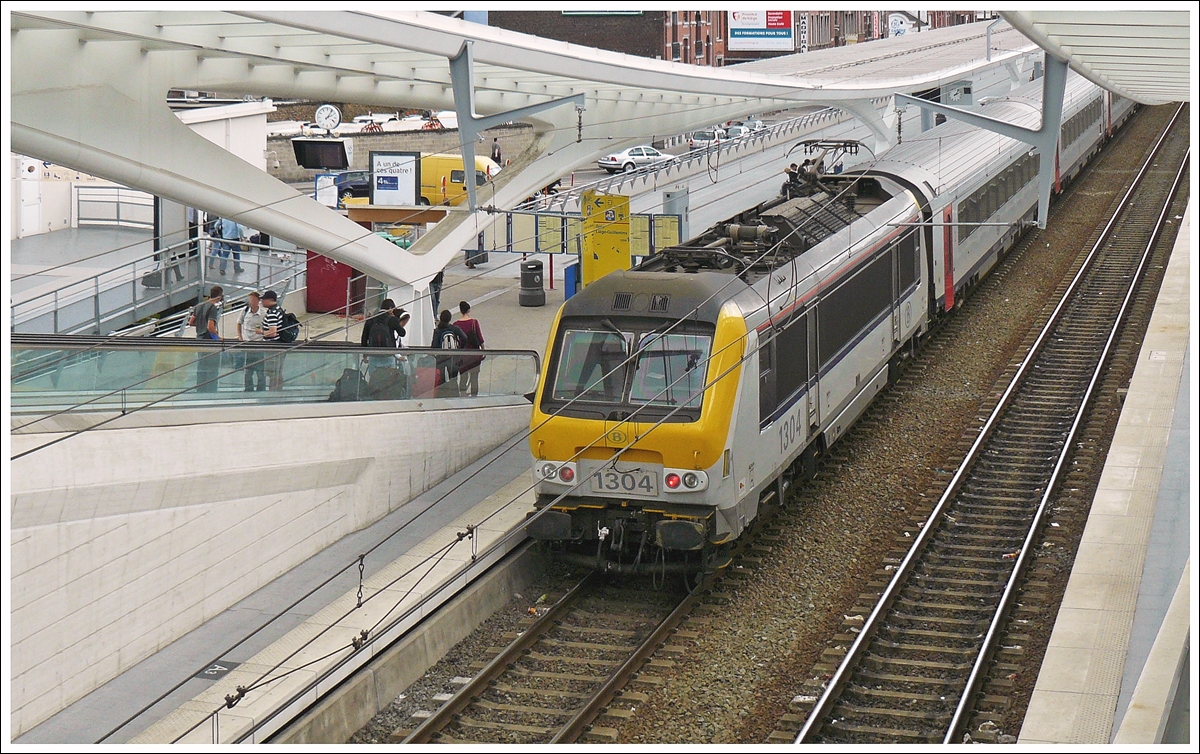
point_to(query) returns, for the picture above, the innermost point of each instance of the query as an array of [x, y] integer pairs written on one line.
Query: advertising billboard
[[761, 30], [395, 178]]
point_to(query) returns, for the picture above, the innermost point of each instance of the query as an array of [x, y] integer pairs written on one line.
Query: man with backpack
[[447, 337]]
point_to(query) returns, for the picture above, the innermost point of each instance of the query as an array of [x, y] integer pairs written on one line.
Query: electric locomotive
[[679, 397]]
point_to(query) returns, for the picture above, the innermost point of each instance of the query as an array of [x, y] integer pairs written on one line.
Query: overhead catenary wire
[[682, 404]]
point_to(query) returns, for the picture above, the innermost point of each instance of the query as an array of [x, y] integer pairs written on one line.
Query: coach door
[[812, 389], [894, 251]]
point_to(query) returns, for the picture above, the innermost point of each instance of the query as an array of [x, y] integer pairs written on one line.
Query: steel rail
[[966, 700], [467, 694], [871, 625], [574, 728]]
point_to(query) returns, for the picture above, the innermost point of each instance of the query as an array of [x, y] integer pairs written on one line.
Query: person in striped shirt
[[272, 320]]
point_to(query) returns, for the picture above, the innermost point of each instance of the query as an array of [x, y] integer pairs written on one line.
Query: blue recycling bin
[[570, 280]]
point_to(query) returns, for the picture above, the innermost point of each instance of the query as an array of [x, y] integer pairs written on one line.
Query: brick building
[[632, 32], [700, 37]]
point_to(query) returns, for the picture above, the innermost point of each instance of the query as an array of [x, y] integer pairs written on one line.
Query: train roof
[[674, 295], [955, 152]]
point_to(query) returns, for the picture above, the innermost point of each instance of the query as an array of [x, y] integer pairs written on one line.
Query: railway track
[[918, 660], [558, 675]]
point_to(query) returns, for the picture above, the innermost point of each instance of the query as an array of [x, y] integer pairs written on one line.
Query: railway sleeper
[[908, 684], [911, 604], [865, 692], [521, 708], [549, 642], [879, 662], [964, 536], [964, 562], [887, 734], [527, 691], [551, 675], [926, 580], [859, 712], [470, 722], [596, 631], [931, 648], [962, 637], [984, 525], [567, 660]]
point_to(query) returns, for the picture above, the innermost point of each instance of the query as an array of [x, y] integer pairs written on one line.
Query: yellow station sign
[[605, 235]]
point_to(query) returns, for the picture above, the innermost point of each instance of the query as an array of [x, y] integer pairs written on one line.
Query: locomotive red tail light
[[567, 474], [673, 480]]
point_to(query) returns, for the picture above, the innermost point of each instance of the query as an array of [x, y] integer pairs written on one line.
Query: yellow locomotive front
[[632, 419]]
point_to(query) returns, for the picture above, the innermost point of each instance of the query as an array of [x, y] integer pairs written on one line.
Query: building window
[[674, 51]]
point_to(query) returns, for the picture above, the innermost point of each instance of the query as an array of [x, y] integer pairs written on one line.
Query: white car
[[735, 131], [633, 158], [379, 118], [706, 138]]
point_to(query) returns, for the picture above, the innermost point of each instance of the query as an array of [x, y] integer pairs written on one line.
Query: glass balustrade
[[85, 374]]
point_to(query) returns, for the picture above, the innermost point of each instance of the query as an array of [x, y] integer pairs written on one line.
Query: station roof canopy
[[1145, 55], [399, 59]]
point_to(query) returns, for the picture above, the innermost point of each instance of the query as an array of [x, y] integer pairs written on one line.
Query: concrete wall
[[125, 539]]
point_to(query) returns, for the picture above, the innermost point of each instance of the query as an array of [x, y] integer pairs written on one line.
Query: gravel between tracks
[[735, 680], [779, 621]]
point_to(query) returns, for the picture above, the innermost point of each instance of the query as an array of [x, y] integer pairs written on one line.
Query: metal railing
[[568, 199], [73, 374], [155, 283], [113, 205]]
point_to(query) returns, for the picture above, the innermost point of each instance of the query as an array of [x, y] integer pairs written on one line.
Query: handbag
[[153, 279]]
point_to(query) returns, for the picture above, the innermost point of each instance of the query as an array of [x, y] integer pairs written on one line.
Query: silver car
[[633, 158]]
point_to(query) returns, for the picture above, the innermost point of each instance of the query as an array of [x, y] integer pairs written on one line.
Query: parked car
[[353, 184], [380, 118], [706, 138], [632, 158]]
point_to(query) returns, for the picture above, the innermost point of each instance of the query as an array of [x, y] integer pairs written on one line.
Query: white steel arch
[[88, 91]]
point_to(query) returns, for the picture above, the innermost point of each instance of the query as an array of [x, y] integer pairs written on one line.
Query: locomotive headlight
[[552, 471], [684, 480]]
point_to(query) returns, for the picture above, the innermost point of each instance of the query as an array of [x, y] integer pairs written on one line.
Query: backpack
[[388, 384], [290, 329], [450, 341], [380, 335], [350, 387]]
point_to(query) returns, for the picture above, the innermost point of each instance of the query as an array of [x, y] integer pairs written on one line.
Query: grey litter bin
[[532, 293]]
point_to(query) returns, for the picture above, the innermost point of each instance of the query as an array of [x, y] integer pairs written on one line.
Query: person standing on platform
[[468, 368], [496, 155], [250, 329], [206, 318], [435, 290], [381, 331], [271, 322], [402, 318], [447, 337]]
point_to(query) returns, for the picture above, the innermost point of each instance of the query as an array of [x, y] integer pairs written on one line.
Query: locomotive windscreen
[[597, 372]]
